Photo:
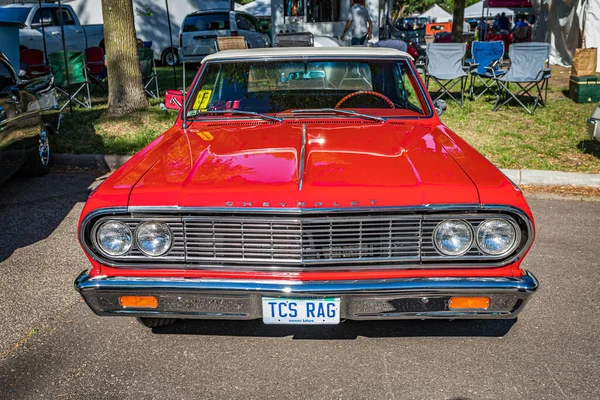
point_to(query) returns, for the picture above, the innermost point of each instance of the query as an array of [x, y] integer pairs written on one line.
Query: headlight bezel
[[137, 240], [467, 248], [511, 248]]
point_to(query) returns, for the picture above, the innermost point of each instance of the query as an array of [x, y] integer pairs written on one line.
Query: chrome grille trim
[[424, 213], [323, 240]]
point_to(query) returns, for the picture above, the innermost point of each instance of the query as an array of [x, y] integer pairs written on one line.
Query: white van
[[199, 32]]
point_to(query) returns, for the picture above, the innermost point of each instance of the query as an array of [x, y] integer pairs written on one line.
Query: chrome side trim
[[302, 155], [373, 299]]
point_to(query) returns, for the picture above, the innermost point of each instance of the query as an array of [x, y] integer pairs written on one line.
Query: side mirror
[[440, 106]]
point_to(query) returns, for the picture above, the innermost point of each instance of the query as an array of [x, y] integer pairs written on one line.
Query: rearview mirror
[[440, 106]]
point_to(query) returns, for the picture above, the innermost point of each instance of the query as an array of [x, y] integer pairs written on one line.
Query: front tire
[[156, 322], [39, 164]]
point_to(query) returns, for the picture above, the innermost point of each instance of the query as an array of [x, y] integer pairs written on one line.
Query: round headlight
[[114, 238], [496, 237], [153, 238], [453, 237]]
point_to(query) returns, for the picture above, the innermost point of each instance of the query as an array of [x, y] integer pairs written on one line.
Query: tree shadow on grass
[[590, 147]]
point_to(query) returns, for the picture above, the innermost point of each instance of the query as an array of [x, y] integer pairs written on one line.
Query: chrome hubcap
[[44, 148]]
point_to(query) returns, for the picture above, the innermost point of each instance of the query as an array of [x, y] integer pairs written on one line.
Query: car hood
[[343, 163]]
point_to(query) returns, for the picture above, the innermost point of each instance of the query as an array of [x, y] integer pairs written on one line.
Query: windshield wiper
[[339, 112], [238, 112]]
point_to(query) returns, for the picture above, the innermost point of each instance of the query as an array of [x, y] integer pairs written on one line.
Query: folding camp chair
[[94, 57], [33, 63], [528, 71], [445, 67], [148, 68], [231, 43], [77, 83], [484, 66]]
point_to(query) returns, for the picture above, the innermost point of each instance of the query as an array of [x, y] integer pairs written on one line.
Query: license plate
[[302, 311]]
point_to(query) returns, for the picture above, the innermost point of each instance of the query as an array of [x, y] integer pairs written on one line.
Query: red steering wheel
[[369, 92]]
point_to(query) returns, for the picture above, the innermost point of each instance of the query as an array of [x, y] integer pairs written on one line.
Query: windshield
[[379, 87], [206, 22], [17, 14]]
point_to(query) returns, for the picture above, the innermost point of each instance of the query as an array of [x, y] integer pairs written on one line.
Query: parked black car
[[24, 142]]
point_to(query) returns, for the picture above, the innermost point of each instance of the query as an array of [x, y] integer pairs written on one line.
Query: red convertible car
[[307, 186]]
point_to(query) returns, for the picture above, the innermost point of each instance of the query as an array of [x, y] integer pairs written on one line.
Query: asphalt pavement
[[53, 347]]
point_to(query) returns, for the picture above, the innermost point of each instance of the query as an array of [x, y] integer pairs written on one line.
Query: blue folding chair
[[445, 67], [528, 70], [484, 66]]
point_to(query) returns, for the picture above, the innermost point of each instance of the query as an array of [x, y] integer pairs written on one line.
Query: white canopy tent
[[478, 9], [437, 14], [567, 25], [258, 8]]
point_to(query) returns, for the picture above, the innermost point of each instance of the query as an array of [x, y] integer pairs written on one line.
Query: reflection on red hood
[[346, 163]]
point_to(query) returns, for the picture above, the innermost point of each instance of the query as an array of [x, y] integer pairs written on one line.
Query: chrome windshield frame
[[428, 113]]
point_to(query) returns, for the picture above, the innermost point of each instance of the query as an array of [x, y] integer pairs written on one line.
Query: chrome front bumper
[[414, 298]]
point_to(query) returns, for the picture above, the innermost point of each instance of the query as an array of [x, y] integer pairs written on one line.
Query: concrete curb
[[520, 177], [551, 178]]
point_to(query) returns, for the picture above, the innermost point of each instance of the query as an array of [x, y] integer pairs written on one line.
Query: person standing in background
[[504, 23], [482, 28], [360, 22]]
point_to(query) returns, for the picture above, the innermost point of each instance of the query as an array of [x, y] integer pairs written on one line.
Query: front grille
[[263, 242], [303, 240]]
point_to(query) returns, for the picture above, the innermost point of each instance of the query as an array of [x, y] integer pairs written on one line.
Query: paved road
[[52, 346]]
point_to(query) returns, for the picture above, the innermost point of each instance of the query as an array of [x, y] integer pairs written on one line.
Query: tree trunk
[[125, 87], [458, 20]]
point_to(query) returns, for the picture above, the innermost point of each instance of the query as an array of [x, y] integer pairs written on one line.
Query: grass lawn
[[554, 138]]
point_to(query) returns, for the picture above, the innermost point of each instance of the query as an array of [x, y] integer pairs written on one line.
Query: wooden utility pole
[[458, 20], [125, 87]]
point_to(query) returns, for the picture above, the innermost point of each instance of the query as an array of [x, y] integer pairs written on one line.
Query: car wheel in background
[[156, 322], [39, 164], [170, 58]]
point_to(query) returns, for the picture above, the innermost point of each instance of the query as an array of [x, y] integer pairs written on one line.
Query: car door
[[20, 122], [74, 34], [11, 145], [262, 32], [51, 28], [247, 29]]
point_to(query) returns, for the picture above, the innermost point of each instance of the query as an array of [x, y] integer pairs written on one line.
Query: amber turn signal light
[[138, 301], [469, 302]]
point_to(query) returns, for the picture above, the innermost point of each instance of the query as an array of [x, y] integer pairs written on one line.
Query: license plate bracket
[[301, 310]]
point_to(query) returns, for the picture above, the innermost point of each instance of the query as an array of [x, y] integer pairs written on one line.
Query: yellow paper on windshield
[[202, 99]]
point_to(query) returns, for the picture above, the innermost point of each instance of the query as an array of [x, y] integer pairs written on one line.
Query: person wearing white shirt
[[360, 22]]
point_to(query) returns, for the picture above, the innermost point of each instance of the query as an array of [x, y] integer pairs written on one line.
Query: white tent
[[437, 14], [477, 10], [258, 8], [567, 25]]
